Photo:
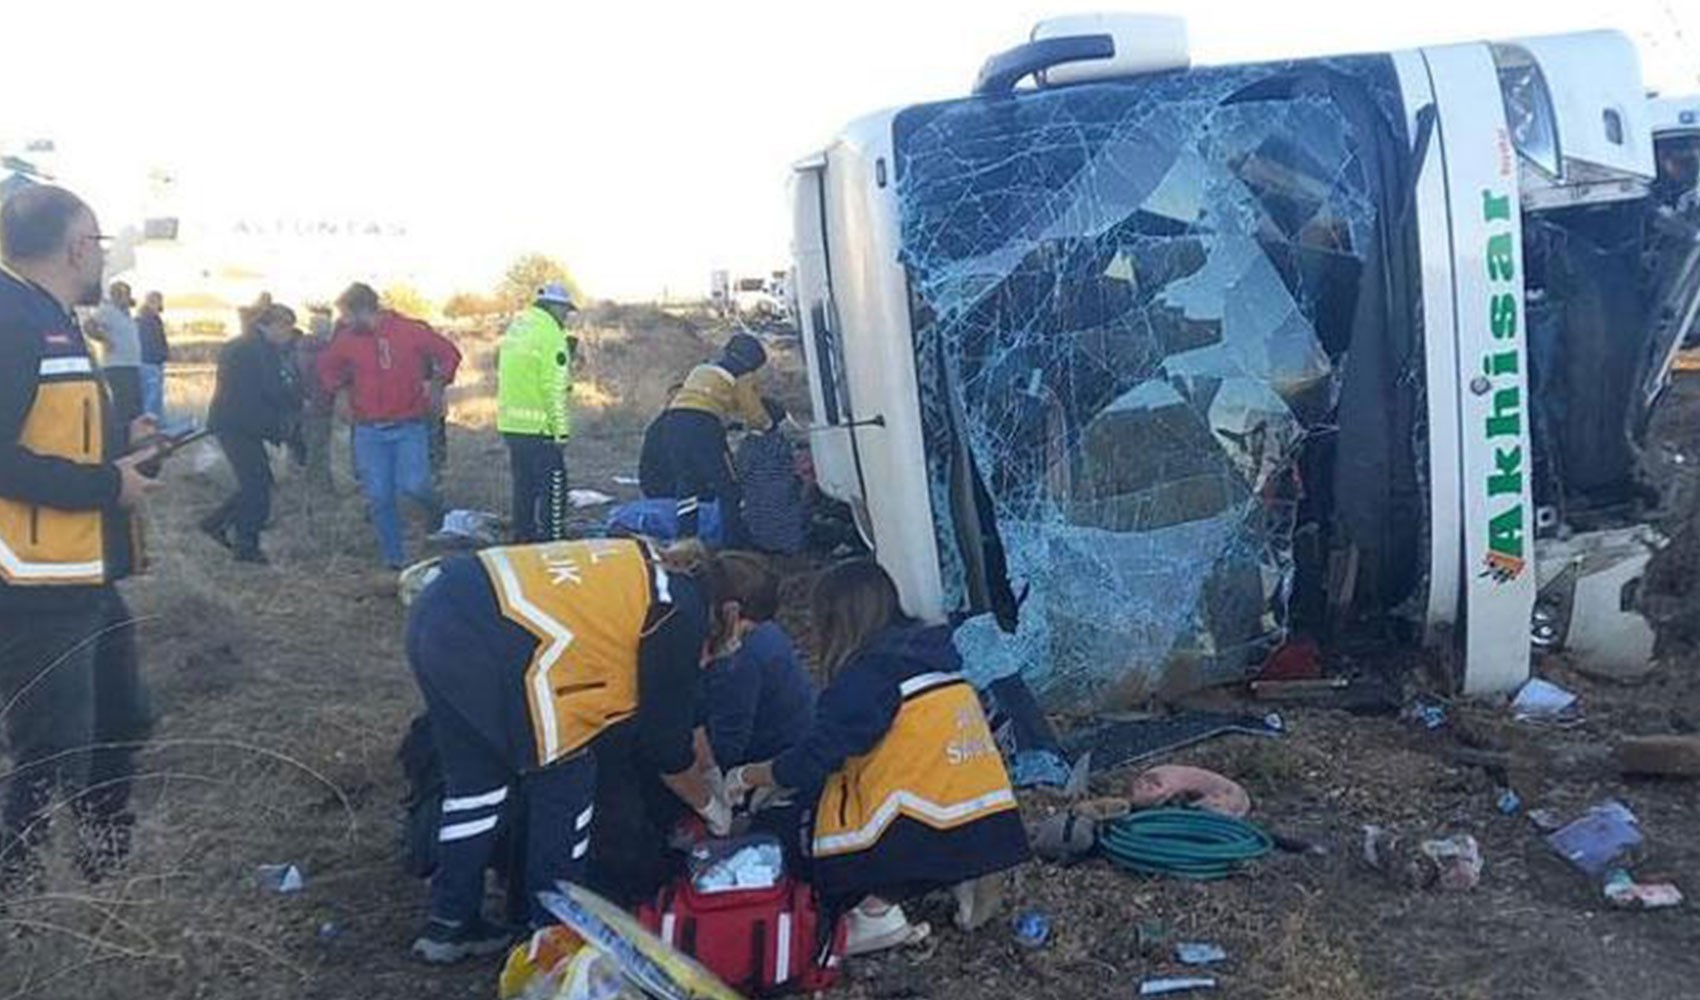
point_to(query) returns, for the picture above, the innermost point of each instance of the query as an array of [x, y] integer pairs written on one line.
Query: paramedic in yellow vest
[[534, 383], [685, 455], [68, 672], [909, 790], [546, 671]]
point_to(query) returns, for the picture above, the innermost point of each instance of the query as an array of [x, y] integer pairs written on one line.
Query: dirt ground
[[281, 695]]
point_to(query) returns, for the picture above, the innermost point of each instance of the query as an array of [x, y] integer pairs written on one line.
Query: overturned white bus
[[1146, 368]]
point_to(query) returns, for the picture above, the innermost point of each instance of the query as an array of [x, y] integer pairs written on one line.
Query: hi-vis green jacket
[[534, 377]]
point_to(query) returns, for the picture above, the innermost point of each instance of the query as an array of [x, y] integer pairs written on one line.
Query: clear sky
[[643, 143]]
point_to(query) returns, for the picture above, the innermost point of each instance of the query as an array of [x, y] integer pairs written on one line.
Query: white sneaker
[[871, 932]]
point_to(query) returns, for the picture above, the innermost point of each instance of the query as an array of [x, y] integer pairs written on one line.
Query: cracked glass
[[1131, 305]]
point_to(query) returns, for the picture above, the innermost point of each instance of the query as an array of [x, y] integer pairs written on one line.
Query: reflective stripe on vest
[[51, 367], [937, 765], [587, 603], [44, 546]]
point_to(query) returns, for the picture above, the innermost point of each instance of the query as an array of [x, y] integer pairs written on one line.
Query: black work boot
[[445, 942]]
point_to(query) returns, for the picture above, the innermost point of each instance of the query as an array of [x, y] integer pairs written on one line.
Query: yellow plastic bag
[[536, 968]]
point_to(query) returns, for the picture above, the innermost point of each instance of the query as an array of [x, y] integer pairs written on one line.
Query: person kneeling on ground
[[566, 673], [757, 704], [685, 454], [758, 700], [910, 791], [255, 401]]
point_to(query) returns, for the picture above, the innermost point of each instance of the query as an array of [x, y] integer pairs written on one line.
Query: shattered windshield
[[1132, 302]]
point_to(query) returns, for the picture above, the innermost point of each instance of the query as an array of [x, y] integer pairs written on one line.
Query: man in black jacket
[[156, 351], [256, 401], [71, 699]]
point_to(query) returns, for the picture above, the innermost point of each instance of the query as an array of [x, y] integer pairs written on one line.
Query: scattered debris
[[1175, 984], [1032, 929], [581, 499], [469, 529], [1428, 714], [1064, 838], [1176, 784], [1457, 860], [1622, 889], [1039, 768], [1130, 741], [1598, 838], [1200, 953], [1546, 702], [1452, 863], [282, 878], [1380, 845], [1293, 844], [1153, 937], [1545, 820], [626, 481], [1666, 756], [1509, 802]]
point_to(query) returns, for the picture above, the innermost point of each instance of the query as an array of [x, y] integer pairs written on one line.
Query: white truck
[[1145, 369]]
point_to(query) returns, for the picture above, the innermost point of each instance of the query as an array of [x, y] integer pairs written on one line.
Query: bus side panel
[[1486, 228], [871, 296], [835, 464], [1440, 342]]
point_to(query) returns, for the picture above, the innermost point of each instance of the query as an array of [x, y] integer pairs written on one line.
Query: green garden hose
[[1185, 843]]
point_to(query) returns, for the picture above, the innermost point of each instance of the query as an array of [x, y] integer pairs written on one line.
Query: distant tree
[[470, 305], [527, 275], [409, 301]]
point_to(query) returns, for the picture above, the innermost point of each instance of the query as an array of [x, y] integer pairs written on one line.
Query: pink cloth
[[1178, 785]]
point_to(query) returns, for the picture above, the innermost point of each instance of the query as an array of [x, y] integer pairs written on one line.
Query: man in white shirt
[[114, 328]]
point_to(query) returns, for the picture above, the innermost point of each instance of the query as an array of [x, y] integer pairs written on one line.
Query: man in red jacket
[[385, 361]]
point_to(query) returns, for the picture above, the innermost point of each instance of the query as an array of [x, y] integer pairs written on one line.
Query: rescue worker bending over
[[910, 791], [531, 660], [685, 455]]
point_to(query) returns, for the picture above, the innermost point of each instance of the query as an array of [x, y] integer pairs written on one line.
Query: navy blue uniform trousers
[[471, 699]]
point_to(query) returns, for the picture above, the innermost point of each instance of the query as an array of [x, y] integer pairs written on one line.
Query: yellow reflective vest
[[734, 399], [588, 604], [937, 765], [42, 545]]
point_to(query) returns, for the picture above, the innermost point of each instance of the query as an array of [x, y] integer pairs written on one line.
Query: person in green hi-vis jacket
[[534, 380]]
